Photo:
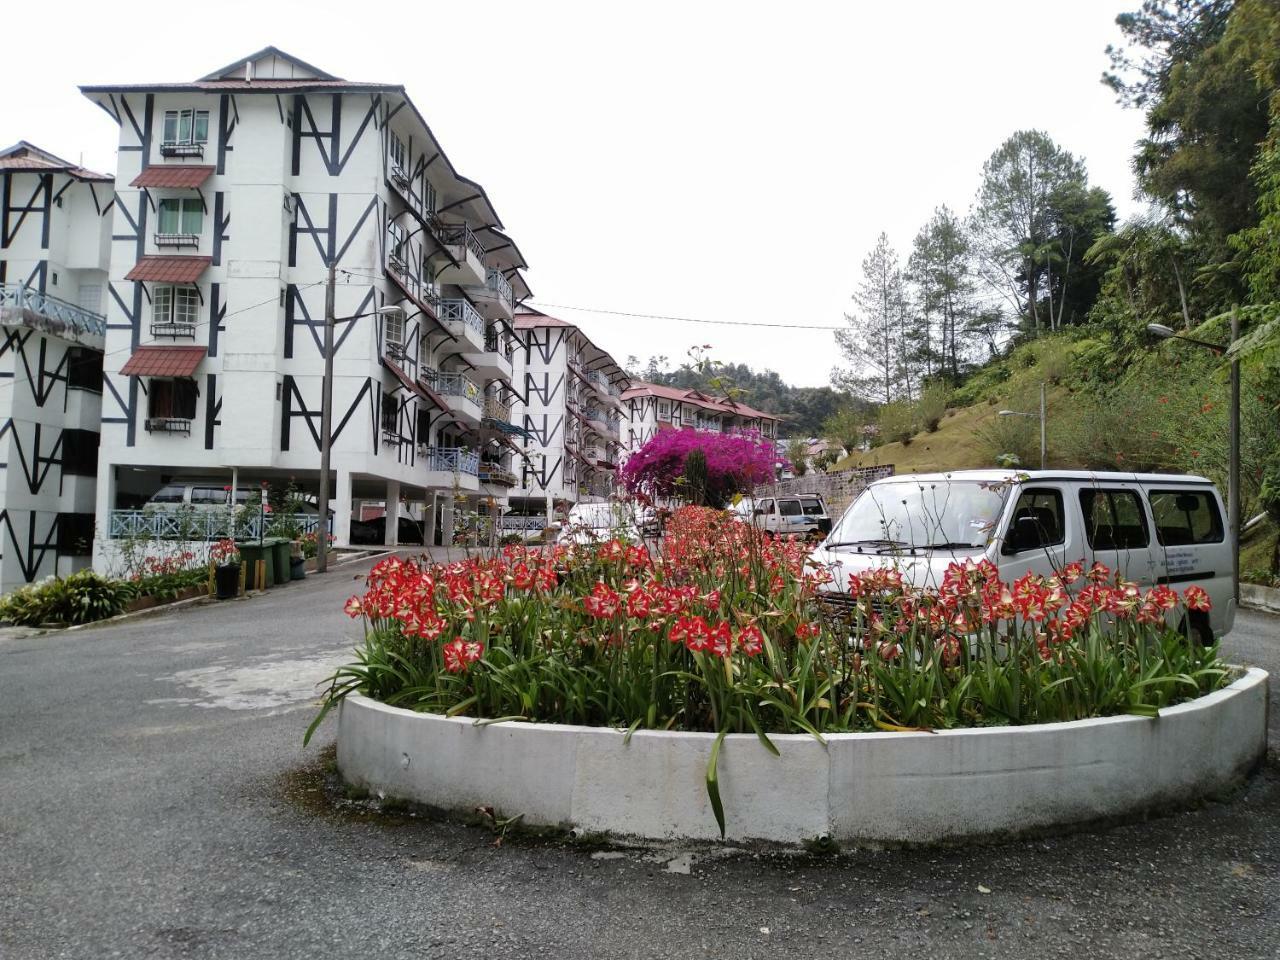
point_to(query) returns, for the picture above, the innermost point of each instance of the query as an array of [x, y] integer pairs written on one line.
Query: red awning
[[175, 176], [169, 269], [163, 362]]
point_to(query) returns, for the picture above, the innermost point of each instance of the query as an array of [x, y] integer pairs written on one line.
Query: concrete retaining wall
[[837, 489], [1260, 598], [912, 787]]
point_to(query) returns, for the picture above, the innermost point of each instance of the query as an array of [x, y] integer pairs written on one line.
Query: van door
[[1191, 544], [1037, 537], [1116, 531], [763, 515]]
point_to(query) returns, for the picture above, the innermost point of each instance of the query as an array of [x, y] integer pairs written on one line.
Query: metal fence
[[23, 297], [461, 312], [201, 524], [450, 459]]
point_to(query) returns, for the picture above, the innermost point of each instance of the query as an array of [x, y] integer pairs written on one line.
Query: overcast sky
[[722, 161]]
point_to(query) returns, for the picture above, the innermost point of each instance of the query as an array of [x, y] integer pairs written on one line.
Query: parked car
[[798, 515], [374, 532], [1150, 528], [600, 521]]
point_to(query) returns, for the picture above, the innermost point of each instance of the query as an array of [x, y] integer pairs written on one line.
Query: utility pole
[[326, 415], [1233, 475]]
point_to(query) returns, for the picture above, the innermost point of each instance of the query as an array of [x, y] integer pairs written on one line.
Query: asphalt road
[[155, 801]]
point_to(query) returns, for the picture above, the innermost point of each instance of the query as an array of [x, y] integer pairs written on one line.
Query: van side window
[[1185, 516], [789, 508], [208, 495], [765, 508], [1037, 520], [1113, 519], [812, 508], [169, 494]]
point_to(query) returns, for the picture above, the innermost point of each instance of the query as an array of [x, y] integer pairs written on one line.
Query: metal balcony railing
[[452, 385], [495, 409], [22, 297], [197, 524], [450, 459], [181, 148], [177, 240], [495, 343], [178, 425], [175, 330], [460, 235], [495, 281], [496, 473], [461, 313], [521, 523]]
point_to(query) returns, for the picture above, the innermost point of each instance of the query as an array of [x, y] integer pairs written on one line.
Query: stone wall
[[837, 489]]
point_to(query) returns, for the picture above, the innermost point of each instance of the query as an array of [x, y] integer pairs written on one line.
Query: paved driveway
[[155, 801]]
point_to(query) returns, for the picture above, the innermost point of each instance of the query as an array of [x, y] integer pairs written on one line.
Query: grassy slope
[[954, 446]]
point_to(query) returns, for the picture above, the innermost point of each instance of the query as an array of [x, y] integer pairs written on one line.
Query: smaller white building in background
[[55, 234], [653, 407]]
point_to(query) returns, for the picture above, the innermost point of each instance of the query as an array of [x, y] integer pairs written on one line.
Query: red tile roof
[[24, 157], [163, 362], [681, 395], [169, 269], [175, 176]]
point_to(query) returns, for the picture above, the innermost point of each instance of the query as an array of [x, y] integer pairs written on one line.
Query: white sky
[[718, 160]]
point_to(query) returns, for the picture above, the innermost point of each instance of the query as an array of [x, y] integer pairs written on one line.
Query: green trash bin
[[251, 551], [280, 551]]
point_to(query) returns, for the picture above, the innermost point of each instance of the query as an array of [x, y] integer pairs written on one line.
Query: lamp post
[[1044, 447], [326, 416], [1233, 466]]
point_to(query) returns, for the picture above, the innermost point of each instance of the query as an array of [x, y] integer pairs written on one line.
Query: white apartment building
[[652, 407], [234, 193], [55, 228], [569, 402]]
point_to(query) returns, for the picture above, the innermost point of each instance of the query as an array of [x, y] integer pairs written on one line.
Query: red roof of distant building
[[175, 176], [24, 157], [697, 399], [163, 362], [169, 269]]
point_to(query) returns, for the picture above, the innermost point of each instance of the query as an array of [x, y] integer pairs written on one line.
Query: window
[[181, 215], [393, 328], [1185, 517], [1113, 519], [390, 414], [80, 453], [177, 306], [173, 493], [812, 508], [789, 508], [84, 369], [171, 400], [1037, 520], [428, 195], [186, 126], [664, 410], [208, 495], [764, 508], [395, 150], [396, 240]]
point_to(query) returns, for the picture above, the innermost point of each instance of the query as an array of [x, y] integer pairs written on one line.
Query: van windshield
[[911, 513]]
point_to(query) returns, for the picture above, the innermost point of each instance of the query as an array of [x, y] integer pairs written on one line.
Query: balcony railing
[[180, 148], [198, 525], [462, 313], [450, 459], [22, 297], [497, 473], [493, 343], [177, 239], [460, 235], [521, 523], [175, 330], [495, 409], [495, 281], [452, 385]]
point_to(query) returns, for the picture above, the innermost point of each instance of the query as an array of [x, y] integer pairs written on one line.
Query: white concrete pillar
[[341, 506], [104, 503], [392, 537], [446, 522], [429, 519]]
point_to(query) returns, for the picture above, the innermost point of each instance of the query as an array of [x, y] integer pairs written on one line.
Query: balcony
[[176, 241], [495, 409], [174, 331], [181, 148], [180, 426], [467, 251], [496, 473], [459, 461], [496, 300], [20, 304], [462, 320], [494, 361], [464, 396]]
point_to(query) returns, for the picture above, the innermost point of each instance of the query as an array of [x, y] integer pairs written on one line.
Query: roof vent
[[248, 70]]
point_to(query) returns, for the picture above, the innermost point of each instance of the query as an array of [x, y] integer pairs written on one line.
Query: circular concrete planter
[[894, 787]]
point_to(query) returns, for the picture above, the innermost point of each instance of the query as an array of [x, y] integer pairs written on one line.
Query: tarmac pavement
[[156, 801]]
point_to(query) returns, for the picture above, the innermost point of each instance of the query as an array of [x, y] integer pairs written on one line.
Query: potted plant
[[226, 575]]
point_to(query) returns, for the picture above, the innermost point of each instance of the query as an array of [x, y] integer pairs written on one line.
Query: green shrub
[[897, 422], [80, 598], [932, 405]]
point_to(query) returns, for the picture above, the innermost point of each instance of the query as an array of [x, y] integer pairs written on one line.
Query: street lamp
[[1233, 467], [326, 417], [1044, 450]]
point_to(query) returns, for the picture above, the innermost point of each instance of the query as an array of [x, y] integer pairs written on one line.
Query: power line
[[659, 316]]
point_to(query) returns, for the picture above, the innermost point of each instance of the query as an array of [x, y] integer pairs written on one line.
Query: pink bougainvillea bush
[[736, 463]]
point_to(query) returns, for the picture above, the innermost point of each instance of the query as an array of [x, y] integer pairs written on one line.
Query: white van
[[799, 514], [600, 521], [1150, 527]]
